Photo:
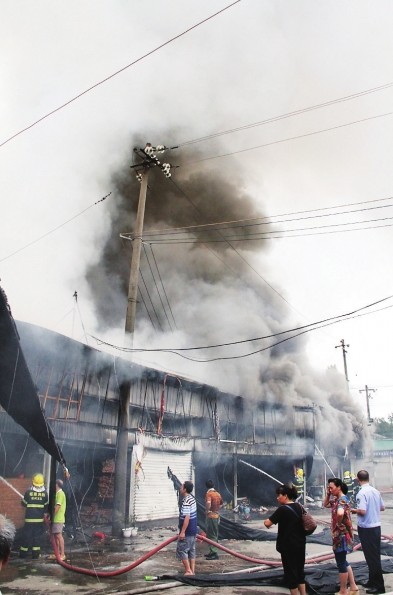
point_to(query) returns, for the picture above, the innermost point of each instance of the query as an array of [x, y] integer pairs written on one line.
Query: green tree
[[384, 427]]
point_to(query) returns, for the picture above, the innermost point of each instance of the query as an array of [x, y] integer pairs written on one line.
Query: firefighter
[[299, 483], [349, 480], [36, 502]]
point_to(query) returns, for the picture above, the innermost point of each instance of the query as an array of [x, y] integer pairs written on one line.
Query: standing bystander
[[291, 538], [342, 532], [213, 503], [59, 518], [185, 550], [369, 505]]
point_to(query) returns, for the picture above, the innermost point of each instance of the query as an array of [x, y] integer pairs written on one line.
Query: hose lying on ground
[[109, 573], [124, 569], [310, 560]]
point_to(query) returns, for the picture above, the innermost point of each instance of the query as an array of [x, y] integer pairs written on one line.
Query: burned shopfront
[[196, 430]]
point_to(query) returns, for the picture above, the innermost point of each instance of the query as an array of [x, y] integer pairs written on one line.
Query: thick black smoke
[[214, 289], [188, 199]]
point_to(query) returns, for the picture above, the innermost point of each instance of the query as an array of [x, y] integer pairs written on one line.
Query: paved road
[[45, 576]]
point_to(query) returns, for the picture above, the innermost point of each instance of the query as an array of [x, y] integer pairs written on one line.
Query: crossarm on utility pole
[[368, 390]]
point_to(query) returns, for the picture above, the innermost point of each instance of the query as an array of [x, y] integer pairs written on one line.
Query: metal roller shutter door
[[152, 495]]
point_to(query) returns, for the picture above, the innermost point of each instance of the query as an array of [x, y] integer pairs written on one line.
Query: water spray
[[11, 486], [326, 463], [260, 471]]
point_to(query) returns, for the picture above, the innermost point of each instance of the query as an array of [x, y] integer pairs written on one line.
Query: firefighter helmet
[[38, 480], [299, 473], [347, 474]]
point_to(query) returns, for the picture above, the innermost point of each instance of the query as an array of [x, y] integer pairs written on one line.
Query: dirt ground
[[45, 576]]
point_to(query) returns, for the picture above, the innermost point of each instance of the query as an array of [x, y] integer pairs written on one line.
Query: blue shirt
[[370, 500]]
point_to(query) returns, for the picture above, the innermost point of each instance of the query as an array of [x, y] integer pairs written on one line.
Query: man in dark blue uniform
[[36, 502]]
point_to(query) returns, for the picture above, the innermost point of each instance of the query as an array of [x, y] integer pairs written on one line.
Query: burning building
[[197, 430], [253, 401]]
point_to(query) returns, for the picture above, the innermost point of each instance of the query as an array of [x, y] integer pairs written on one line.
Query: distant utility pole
[[368, 390], [147, 160], [343, 346]]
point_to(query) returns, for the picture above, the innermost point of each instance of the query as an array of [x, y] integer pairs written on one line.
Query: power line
[[195, 227], [54, 229], [215, 359], [151, 302], [118, 72], [156, 286], [290, 138], [304, 328], [162, 285], [239, 255], [267, 235], [286, 115], [205, 226]]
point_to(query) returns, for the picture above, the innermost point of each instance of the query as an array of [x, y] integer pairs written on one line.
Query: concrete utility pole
[[343, 346], [148, 160], [368, 390]]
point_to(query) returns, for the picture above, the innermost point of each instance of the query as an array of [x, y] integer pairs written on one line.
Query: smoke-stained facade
[[79, 391]]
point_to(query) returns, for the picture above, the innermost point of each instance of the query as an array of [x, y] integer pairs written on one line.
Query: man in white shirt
[[369, 505]]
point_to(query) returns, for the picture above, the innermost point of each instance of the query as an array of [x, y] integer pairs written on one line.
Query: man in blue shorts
[[185, 550]]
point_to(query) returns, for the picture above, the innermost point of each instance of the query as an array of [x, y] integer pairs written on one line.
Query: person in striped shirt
[[188, 529]]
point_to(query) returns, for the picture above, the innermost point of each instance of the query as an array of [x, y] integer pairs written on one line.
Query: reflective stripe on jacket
[[36, 504]]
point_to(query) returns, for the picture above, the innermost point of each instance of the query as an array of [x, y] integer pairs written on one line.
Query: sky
[[85, 83]]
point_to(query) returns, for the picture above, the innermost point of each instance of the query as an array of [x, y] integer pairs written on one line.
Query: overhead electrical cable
[[128, 236], [156, 286], [146, 308], [162, 45], [263, 235], [54, 229], [191, 227], [163, 287], [174, 230], [336, 318], [243, 355], [238, 253], [286, 115], [81, 321], [125, 254], [286, 339], [151, 302], [321, 233], [287, 139]]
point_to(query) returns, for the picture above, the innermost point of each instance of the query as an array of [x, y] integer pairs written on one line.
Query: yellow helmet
[[347, 474], [299, 472], [38, 480]]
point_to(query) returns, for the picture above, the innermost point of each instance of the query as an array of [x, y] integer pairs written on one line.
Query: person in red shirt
[[213, 503]]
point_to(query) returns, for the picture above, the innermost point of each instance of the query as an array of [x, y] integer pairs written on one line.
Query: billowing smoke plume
[[213, 286]]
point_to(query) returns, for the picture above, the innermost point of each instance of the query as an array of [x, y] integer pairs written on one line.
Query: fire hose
[[124, 569], [109, 573], [312, 560]]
